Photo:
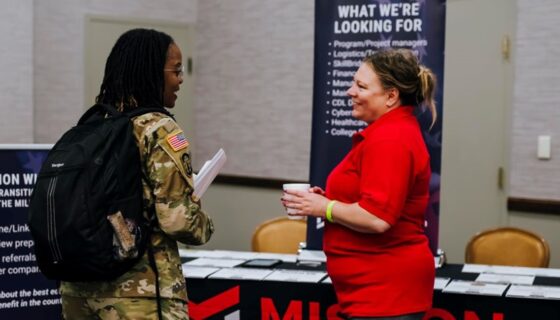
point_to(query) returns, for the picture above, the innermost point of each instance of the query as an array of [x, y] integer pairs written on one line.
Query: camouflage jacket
[[168, 185]]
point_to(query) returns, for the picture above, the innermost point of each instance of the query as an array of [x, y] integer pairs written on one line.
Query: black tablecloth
[[254, 299]]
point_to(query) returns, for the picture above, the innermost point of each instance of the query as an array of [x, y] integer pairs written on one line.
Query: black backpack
[[86, 210]]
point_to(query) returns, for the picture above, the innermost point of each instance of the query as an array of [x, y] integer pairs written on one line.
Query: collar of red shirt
[[397, 113]]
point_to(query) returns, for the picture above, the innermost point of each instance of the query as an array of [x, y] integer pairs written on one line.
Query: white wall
[[58, 52], [254, 85], [536, 100], [476, 111], [16, 72]]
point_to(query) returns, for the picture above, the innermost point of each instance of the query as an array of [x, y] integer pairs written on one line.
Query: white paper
[[440, 283], [208, 172], [204, 168], [539, 272], [192, 253], [311, 255], [505, 278], [218, 263], [198, 272], [534, 292], [477, 288], [475, 268], [296, 276], [281, 256], [241, 273], [230, 254]]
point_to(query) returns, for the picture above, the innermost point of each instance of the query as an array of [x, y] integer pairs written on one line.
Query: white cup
[[295, 186]]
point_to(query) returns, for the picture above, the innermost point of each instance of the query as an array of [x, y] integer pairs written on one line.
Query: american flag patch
[[177, 141]]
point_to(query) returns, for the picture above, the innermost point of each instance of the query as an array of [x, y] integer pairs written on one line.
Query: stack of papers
[[539, 272], [505, 278], [311, 256], [534, 292], [476, 288], [296, 276], [208, 172], [198, 272], [241, 273], [212, 262], [230, 254]]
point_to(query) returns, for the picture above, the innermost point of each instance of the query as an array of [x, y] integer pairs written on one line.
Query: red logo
[[219, 302]]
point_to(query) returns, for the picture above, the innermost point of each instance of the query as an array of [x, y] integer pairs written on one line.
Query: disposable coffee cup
[[295, 186]]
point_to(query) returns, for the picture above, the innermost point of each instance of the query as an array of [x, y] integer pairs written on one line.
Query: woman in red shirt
[[378, 256]]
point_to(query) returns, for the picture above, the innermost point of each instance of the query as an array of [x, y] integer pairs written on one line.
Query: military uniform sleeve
[[169, 173]]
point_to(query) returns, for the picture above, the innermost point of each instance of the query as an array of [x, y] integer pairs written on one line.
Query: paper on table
[[230, 254], [505, 278], [218, 263], [198, 272], [296, 276], [440, 283], [534, 292], [282, 256], [472, 287], [539, 272], [208, 172], [192, 253], [227, 254], [312, 255], [241, 273]]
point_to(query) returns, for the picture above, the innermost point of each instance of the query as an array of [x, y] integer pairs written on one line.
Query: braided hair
[[134, 70]]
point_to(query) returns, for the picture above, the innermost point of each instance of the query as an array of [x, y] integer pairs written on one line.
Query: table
[[252, 299]]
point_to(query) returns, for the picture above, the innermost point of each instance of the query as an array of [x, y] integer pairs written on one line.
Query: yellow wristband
[[328, 214]]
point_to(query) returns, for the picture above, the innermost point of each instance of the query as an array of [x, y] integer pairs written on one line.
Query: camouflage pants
[[122, 308]]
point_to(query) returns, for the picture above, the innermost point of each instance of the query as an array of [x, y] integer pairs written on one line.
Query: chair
[[508, 246], [279, 235]]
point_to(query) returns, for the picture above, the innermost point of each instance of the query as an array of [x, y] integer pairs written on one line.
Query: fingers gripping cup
[[295, 186]]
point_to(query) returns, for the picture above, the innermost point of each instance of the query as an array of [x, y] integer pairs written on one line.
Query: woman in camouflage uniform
[[144, 69]]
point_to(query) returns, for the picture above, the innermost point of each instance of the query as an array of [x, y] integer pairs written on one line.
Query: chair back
[[508, 246], [279, 235]]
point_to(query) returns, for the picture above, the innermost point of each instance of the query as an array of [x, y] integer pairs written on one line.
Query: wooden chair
[[279, 235], [508, 246]]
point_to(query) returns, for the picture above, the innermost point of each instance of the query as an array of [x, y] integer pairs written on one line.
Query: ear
[[393, 97]]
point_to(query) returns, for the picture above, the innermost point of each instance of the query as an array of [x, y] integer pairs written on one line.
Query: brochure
[[208, 173]]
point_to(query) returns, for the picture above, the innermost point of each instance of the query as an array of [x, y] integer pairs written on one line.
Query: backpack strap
[[98, 109], [153, 265]]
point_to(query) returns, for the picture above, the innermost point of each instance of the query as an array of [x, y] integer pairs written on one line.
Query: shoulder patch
[[169, 126], [177, 140]]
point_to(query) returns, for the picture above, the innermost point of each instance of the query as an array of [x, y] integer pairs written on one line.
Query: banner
[[346, 31], [24, 292]]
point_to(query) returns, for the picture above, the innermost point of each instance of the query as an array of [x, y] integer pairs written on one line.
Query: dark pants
[[412, 316]]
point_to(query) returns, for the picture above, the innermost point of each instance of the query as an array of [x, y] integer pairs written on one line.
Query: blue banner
[[346, 31], [24, 292]]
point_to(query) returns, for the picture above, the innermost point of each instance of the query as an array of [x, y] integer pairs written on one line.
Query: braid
[[134, 70]]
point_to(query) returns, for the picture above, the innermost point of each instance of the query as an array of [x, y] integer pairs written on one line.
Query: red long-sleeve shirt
[[387, 172]]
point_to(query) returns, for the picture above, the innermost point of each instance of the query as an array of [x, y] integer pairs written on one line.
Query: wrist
[[328, 212]]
